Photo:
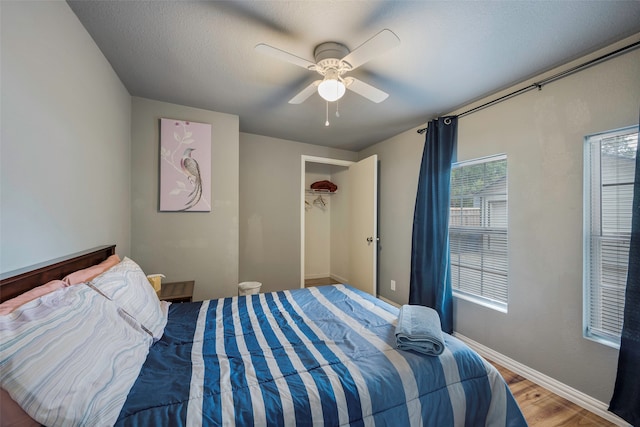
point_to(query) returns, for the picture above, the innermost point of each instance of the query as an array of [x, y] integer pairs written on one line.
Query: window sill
[[601, 340], [494, 305]]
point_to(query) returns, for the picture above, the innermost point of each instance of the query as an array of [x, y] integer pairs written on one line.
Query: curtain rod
[[543, 82]]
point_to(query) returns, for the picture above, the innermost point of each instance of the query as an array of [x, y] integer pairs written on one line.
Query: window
[[609, 173], [478, 231]]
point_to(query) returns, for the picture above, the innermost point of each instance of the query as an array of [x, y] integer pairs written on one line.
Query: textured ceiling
[[201, 54]]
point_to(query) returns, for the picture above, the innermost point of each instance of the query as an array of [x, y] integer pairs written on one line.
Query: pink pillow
[[86, 274], [10, 305], [12, 414]]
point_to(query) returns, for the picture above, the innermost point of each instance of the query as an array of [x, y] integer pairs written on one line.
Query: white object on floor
[[249, 288]]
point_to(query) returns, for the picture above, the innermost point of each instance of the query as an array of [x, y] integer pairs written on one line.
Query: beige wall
[[270, 206], [398, 167], [542, 134], [326, 229], [317, 226], [340, 202], [65, 139], [200, 246]]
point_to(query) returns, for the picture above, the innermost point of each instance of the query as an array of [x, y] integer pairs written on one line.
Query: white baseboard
[[571, 394], [339, 278], [316, 276], [388, 301]]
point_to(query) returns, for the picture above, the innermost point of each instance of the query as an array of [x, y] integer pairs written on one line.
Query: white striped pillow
[[70, 357], [127, 285]]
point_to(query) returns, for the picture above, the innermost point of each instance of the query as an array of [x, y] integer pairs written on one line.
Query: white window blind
[[478, 230], [609, 175]]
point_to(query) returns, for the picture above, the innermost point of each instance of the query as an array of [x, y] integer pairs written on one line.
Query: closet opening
[[337, 227]]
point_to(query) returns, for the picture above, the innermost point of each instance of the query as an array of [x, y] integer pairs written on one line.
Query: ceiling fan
[[334, 60]]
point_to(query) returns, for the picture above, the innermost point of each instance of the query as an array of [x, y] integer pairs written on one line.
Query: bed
[[317, 356]]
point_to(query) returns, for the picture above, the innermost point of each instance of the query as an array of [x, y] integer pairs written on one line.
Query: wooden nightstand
[[177, 291]]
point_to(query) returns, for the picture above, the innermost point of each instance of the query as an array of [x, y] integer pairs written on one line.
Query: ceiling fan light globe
[[331, 89]]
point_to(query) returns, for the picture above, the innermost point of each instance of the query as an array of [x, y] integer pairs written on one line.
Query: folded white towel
[[419, 329]]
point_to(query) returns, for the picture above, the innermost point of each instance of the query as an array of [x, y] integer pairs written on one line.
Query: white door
[[363, 224]]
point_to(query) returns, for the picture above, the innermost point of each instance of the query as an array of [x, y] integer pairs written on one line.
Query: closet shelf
[[311, 191]]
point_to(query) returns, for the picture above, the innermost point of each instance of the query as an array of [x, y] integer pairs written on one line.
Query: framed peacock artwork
[[185, 166]]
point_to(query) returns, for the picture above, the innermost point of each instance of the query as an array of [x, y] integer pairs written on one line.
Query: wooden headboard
[[16, 282]]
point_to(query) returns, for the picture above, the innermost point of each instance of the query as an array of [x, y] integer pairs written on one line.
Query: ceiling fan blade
[[373, 47], [305, 93], [285, 56], [366, 90]]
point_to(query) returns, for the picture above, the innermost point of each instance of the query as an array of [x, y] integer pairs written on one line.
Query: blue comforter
[[317, 356]]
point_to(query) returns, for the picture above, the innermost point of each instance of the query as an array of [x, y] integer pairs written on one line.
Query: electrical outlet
[[393, 285]]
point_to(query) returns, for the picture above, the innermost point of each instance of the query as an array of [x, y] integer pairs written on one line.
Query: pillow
[[127, 285], [10, 305], [74, 278], [86, 274], [70, 357], [12, 413]]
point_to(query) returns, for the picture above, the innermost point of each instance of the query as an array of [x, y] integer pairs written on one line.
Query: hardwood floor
[[542, 408], [319, 282]]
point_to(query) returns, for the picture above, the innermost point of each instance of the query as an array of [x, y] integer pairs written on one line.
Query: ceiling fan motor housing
[[329, 55]]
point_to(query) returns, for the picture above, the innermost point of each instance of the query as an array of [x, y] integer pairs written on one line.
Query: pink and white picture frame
[[185, 166]]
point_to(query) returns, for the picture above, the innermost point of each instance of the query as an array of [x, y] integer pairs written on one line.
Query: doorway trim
[[303, 169]]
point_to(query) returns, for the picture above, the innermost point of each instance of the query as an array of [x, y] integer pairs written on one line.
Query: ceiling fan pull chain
[[337, 108], [327, 115]]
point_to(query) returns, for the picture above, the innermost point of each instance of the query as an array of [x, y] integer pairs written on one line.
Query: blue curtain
[[626, 394], [430, 283]]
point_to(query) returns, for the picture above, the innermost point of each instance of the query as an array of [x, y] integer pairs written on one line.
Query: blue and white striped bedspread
[[317, 356]]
